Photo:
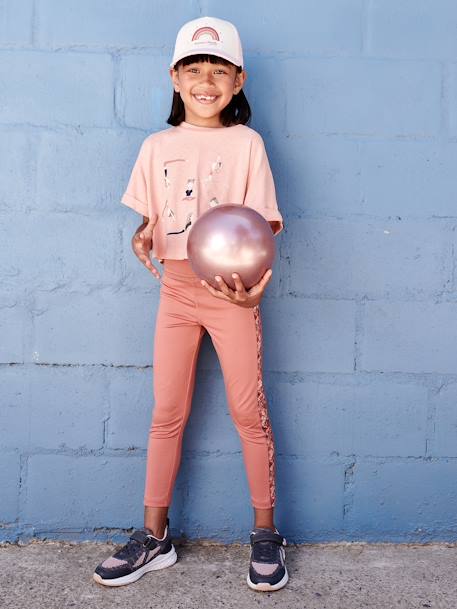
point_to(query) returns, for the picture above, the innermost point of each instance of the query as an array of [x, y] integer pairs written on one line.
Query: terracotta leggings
[[186, 310]]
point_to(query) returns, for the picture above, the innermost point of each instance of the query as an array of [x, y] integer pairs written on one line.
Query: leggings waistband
[[179, 267]]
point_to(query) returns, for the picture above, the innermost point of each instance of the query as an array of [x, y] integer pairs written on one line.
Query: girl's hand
[[142, 244], [240, 296]]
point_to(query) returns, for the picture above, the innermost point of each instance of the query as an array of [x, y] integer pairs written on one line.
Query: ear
[[174, 79], [240, 79]]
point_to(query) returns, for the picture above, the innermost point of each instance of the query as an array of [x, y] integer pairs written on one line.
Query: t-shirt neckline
[[186, 125]]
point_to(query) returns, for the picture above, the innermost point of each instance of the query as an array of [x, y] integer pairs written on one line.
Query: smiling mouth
[[205, 99]]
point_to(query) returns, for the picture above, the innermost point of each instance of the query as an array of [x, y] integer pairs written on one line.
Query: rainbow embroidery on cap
[[205, 32]]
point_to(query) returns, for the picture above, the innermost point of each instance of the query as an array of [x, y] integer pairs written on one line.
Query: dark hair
[[236, 112]]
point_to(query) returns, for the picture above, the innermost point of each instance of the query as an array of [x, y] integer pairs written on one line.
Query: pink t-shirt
[[182, 171]]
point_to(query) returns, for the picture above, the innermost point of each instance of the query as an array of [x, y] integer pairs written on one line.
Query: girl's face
[[214, 80]]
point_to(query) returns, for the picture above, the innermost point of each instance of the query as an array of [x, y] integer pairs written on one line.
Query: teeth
[[207, 97]]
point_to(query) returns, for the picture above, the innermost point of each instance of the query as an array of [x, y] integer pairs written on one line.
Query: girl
[[208, 157]]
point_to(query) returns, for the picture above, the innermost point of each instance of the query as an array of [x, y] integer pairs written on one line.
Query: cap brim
[[208, 51]]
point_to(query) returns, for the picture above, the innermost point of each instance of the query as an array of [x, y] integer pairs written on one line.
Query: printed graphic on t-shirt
[[214, 184], [181, 189], [179, 185], [189, 190]]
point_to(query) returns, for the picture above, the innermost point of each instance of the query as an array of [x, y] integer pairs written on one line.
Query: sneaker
[[267, 567], [142, 553]]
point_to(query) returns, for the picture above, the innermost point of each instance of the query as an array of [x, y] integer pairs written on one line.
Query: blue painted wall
[[356, 102]]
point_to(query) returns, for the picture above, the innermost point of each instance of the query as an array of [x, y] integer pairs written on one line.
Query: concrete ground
[[51, 574]]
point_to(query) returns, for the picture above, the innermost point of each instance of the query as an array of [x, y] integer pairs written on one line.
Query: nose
[[207, 77]]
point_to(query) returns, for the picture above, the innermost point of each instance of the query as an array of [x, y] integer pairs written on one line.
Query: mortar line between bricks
[[107, 402], [359, 314], [453, 265], [122, 128], [165, 51], [444, 101], [359, 216], [327, 378], [117, 78], [34, 24], [140, 453], [366, 28], [430, 420], [348, 488], [22, 490]]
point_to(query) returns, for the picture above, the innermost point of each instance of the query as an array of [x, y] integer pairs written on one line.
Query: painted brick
[[46, 261], [84, 491], [321, 419], [9, 481], [17, 170], [105, 24], [309, 498], [11, 260], [321, 26], [16, 21], [14, 408], [86, 171], [12, 318], [404, 499], [409, 337], [215, 509], [444, 439], [144, 92], [308, 335], [413, 28], [68, 88], [357, 257], [363, 97], [67, 407], [92, 261], [452, 99], [105, 328], [131, 401], [323, 175], [408, 178], [264, 90]]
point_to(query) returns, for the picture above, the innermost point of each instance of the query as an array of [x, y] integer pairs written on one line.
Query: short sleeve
[[260, 190], [137, 193]]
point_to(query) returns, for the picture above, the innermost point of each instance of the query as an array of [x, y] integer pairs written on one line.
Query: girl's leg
[[155, 519], [176, 345], [264, 518], [236, 333]]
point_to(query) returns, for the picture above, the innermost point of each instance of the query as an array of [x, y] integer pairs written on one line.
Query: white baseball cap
[[208, 35]]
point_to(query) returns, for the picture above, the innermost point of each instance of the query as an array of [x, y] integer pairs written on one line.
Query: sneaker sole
[[265, 586], [159, 562]]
